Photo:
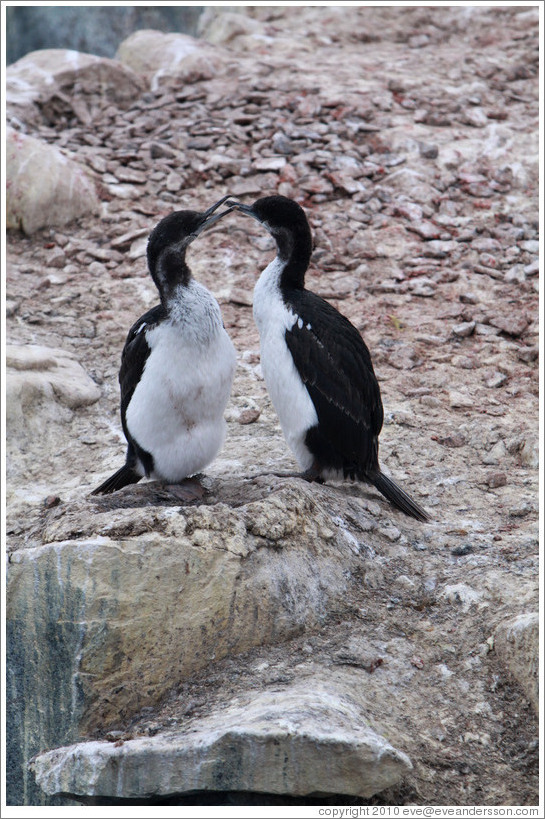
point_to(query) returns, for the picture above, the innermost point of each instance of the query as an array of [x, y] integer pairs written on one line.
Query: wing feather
[[335, 365]]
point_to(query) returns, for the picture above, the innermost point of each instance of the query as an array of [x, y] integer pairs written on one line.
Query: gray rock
[[162, 57], [466, 328], [126, 606], [41, 81], [298, 740], [517, 644], [44, 187], [38, 375]]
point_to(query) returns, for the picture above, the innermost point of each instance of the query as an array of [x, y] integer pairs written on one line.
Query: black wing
[[335, 365], [135, 354]]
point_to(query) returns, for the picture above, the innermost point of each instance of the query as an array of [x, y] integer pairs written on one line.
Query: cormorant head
[[288, 225], [169, 241]]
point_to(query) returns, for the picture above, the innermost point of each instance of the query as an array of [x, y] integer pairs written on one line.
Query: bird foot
[[187, 490], [312, 475]]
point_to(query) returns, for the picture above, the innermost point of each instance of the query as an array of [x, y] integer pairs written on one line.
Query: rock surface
[[425, 221], [164, 57], [158, 597], [43, 187], [517, 644], [46, 85], [293, 740]]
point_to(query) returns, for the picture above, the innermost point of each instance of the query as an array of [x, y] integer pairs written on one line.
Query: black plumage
[[166, 249], [330, 357]]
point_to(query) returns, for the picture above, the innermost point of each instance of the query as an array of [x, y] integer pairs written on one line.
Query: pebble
[[466, 328], [459, 399], [496, 380], [513, 326], [422, 287], [453, 441], [475, 117], [496, 455], [174, 183], [57, 258], [532, 269], [515, 274], [488, 260], [426, 230], [428, 151], [528, 354], [530, 246], [496, 479]]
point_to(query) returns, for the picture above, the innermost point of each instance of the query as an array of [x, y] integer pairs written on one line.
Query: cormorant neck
[[294, 251], [171, 272]]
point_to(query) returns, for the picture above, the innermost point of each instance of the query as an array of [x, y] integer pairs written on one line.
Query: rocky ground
[[410, 138]]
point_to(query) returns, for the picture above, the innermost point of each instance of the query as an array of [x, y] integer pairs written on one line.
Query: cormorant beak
[[209, 218], [211, 210], [247, 209]]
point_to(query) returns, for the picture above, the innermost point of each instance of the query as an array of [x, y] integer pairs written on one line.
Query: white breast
[[176, 412], [288, 394]]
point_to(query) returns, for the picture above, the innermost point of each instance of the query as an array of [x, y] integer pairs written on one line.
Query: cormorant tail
[[396, 495], [123, 477]]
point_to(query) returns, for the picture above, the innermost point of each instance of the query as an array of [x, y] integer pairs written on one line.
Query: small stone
[[428, 151], [485, 330], [125, 174], [532, 269], [497, 379], [496, 456], [515, 274], [174, 182], [51, 501], [513, 326], [418, 41], [452, 441], [530, 246], [97, 269], [529, 453], [423, 287], [56, 258], [475, 117], [282, 144], [426, 230], [528, 354], [460, 551], [521, 510], [248, 416], [469, 298], [269, 163], [158, 150], [488, 260], [496, 479], [466, 328], [458, 399]]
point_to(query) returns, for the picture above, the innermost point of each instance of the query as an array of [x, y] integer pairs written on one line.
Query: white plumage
[[288, 394], [176, 411]]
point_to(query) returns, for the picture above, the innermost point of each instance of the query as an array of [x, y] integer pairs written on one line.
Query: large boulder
[[44, 188], [163, 57], [299, 740], [46, 84], [41, 381], [118, 607]]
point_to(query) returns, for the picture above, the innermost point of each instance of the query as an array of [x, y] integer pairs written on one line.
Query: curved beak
[[247, 209], [211, 210], [209, 218]]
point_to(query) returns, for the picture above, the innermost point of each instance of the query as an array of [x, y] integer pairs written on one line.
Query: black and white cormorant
[[316, 366], [177, 367]]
